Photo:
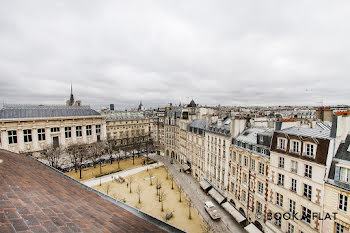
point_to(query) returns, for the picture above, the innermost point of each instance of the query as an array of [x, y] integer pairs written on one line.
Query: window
[[291, 206], [261, 138], [233, 171], [344, 174], [339, 228], [245, 178], [295, 146], [258, 207], [290, 228], [306, 217], [294, 185], [261, 169], [294, 166], [282, 144], [232, 188], [234, 156], [280, 179], [307, 191], [67, 132], [253, 164], [27, 133], [12, 134], [260, 187], [240, 158], [78, 131], [281, 162], [88, 130], [41, 134], [55, 130], [244, 196], [98, 128], [310, 151], [308, 171], [278, 222], [279, 199], [343, 202], [245, 161]]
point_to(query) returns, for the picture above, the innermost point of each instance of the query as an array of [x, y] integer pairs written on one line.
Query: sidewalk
[[96, 181], [193, 190]]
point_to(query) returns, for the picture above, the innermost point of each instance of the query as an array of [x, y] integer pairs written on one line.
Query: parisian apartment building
[[261, 166]]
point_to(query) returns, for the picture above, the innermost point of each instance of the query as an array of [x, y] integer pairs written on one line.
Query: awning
[[186, 167], [235, 213], [251, 228], [217, 196], [205, 185]]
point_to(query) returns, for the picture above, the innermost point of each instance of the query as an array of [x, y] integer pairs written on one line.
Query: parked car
[[212, 211]]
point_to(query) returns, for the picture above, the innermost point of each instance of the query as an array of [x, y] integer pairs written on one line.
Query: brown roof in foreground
[[35, 198]]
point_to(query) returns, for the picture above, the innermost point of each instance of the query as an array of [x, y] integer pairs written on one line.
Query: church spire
[[71, 99]]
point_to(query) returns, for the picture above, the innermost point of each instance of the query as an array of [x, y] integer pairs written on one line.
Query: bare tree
[[180, 191], [150, 174], [158, 185], [83, 154], [139, 192], [162, 198], [52, 154], [172, 182], [130, 179], [97, 150], [189, 204], [108, 188], [74, 154], [110, 149]]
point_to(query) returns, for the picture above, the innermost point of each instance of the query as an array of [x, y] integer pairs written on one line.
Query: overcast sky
[[216, 52]]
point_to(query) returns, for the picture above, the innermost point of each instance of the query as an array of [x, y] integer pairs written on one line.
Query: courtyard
[[92, 172], [160, 202]]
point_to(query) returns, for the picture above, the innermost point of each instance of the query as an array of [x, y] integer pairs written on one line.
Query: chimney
[[238, 125]]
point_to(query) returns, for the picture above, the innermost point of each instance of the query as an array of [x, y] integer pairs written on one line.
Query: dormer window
[[282, 143], [261, 138], [295, 146], [310, 149]]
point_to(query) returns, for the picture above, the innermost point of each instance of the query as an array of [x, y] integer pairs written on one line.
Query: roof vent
[[0, 160]]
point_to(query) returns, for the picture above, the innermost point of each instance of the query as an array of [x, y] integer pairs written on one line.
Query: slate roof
[[198, 123], [36, 198], [45, 111], [342, 155], [224, 129], [307, 132], [174, 113], [250, 135], [125, 116]]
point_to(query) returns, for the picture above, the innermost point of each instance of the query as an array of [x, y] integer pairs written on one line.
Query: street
[[197, 196]]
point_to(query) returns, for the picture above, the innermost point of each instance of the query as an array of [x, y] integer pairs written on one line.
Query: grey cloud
[[217, 52]]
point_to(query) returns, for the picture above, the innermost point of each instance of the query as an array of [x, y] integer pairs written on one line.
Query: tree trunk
[[100, 167]]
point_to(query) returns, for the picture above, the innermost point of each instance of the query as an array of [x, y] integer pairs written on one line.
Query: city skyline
[[232, 53]]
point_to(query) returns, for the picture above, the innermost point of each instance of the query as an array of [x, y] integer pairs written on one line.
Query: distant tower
[[140, 108], [70, 102]]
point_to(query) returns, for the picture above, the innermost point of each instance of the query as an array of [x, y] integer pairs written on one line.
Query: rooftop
[[307, 132], [198, 123], [125, 116], [45, 111], [36, 198], [250, 135]]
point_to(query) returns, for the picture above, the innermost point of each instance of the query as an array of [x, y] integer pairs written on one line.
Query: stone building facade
[[299, 160], [33, 128]]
